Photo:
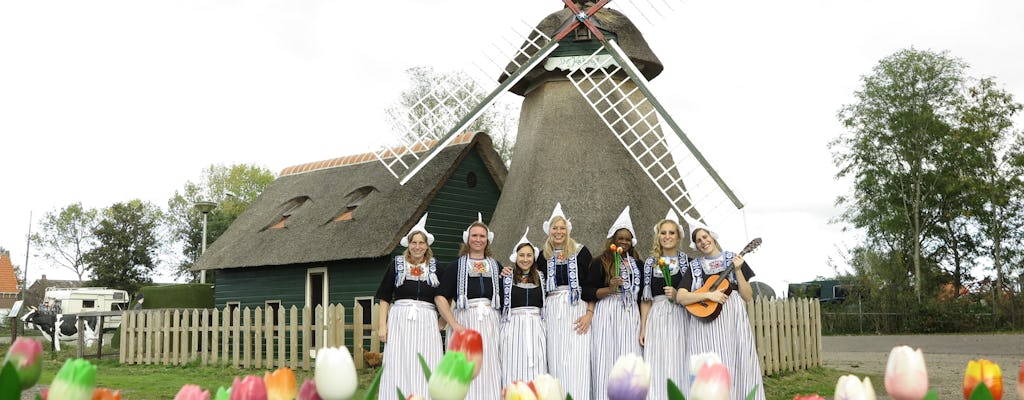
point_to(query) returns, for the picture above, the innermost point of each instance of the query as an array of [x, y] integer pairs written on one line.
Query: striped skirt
[[568, 351], [665, 345], [481, 317], [616, 332], [522, 346], [412, 329], [730, 336]]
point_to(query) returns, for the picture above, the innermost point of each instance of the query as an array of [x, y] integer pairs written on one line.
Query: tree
[[128, 242], [424, 106], [233, 188], [65, 236], [916, 148]]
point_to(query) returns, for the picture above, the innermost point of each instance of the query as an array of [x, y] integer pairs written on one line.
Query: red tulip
[[470, 343], [24, 356], [983, 372], [308, 391], [249, 388], [1020, 382]]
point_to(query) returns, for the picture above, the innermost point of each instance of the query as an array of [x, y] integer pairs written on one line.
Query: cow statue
[[62, 327]]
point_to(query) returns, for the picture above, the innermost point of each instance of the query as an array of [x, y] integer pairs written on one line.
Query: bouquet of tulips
[[618, 252]]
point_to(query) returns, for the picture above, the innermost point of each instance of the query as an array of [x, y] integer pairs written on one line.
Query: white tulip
[[335, 374]]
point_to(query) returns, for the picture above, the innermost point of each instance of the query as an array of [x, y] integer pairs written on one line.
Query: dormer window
[[582, 34], [353, 200], [288, 209]]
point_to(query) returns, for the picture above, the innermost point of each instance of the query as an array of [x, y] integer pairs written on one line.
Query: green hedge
[[186, 295]]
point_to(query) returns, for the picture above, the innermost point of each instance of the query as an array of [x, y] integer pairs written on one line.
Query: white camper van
[[85, 299]]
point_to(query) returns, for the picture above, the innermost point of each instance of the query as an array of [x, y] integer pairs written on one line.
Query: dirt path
[[945, 356]]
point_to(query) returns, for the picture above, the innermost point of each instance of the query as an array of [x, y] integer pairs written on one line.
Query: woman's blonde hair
[[656, 250], [570, 245], [464, 249], [533, 275], [427, 255]]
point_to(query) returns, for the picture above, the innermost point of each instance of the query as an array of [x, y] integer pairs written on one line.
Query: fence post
[[357, 335]]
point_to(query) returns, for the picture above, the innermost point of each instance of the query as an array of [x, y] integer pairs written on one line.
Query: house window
[[274, 306], [288, 209], [233, 311], [88, 303], [582, 34], [471, 180], [353, 200]]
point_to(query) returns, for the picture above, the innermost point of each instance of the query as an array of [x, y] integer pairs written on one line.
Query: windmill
[[591, 134]]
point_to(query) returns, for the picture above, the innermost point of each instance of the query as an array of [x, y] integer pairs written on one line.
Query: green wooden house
[[322, 233]]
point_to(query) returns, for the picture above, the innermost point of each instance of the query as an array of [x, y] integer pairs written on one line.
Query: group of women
[[559, 310]]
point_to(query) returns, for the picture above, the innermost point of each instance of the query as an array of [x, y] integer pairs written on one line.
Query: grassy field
[[152, 382]]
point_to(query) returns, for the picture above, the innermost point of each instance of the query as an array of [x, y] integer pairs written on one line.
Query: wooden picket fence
[[243, 338], [787, 333]]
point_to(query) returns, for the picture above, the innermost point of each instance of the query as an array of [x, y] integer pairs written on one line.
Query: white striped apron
[[480, 316], [665, 345], [616, 332], [730, 337], [412, 329], [523, 346], [568, 351]]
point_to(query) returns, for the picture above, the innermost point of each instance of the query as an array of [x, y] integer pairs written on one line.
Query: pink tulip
[[852, 388], [24, 356], [308, 391], [712, 383], [192, 392], [519, 390], [905, 375], [250, 388]]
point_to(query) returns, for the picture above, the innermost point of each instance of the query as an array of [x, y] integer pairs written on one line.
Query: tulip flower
[[519, 390], [630, 378], [335, 373], [248, 388], [451, 377], [223, 394], [74, 381], [308, 391], [983, 372], [415, 397], [808, 397], [470, 343], [712, 383], [24, 356], [1020, 382], [700, 360], [613, 248], [852, 388], [905, 375], [280, 384], [105, 394], [192, 392], [548, 388]]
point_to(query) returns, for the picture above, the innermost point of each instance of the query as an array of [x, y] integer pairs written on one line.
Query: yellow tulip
[[983, 371], [280, 384]]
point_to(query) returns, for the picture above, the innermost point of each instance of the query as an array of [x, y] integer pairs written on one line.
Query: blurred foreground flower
[[630, 378], [248, 388], [808, 397], [223, 394], [335, 373], [699, 360], [1020, 382], [548, 388], [280, 384], [105, 394], [192, 392], [519, 390], [983, 372], [852, 388], [470, 343], [906, 377], [24, 356], [308, 391], [451, 377], [74, 381], [711, 383]]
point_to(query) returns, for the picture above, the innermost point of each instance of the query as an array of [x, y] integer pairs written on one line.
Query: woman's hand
[[457, 327], [583, 322], [382, 333], [506, 271], [670, 292], [614, 283], [643, 336], [737, 261], [716, 296]]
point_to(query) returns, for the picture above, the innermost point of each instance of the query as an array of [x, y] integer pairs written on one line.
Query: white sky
[[106, 101]]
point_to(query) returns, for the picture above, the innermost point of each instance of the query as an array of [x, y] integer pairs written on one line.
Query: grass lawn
[[152, 382]]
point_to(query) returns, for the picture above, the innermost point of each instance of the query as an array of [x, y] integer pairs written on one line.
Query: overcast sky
[[107, 101]]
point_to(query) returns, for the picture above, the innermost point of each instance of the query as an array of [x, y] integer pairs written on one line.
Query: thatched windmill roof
[[340, 209]]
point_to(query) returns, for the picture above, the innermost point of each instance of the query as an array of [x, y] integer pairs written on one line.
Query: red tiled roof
[[366, 157], [8, 282]]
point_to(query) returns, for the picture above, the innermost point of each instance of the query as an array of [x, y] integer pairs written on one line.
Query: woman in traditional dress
[[567, 315], [616, 322], [729, 334], [407, 301], [523, 342], [662, 331], [472, 282]]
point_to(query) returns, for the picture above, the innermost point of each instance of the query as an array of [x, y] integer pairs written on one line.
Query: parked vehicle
[[85, 299]]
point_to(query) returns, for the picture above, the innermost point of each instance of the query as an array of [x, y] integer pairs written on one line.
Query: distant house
[[8, 282], [323, 232]]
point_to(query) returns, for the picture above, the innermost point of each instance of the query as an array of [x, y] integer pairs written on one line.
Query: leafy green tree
[[65, 236], [232, 188], [422, 108], [128, 243]]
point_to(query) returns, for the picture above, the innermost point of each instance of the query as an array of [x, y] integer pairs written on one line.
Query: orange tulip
[[983, 371], [106, 394], [612, 248], [280, 384]]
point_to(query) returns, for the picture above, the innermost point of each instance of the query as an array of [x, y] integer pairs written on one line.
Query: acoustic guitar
[[707, 311]]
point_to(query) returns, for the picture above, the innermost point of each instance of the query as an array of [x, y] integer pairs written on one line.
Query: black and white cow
[[63, 326]]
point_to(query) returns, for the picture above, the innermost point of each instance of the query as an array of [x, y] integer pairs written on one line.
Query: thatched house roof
[[346, 208], [628, 36]]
